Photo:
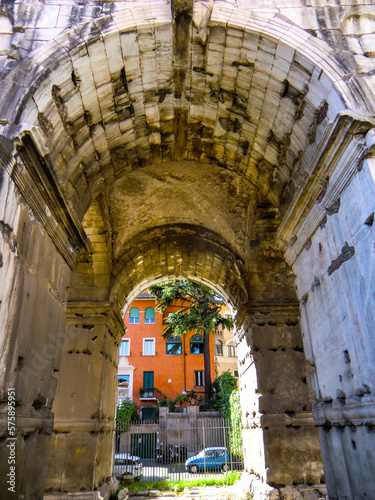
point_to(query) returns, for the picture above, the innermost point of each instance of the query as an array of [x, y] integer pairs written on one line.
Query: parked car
[[215, 458], [128, 466]]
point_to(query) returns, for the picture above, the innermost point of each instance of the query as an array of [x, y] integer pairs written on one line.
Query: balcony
[[151, 393], [147, 392]]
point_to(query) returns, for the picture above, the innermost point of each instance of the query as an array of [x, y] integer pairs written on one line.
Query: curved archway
[[96, 129], [178, 252], [260, 107]]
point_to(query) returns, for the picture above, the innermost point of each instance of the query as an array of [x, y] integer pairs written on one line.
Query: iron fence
[[175, 449]]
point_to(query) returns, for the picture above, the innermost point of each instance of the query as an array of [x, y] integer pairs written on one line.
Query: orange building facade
[[152, 368]]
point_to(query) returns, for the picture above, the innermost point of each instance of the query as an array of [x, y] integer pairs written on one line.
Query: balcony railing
[[146, 392], [151, 392]]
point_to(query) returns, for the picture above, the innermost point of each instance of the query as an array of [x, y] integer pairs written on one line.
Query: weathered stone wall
[[82, 440], [346, 26], [34, 278], [335, 284], [277, 398], [201, 140], [91, 277]]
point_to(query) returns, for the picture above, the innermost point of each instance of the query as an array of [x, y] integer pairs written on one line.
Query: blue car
[[215, 458]]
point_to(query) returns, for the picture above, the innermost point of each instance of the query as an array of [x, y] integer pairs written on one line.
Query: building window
[[148, 347], [218, 348], [231, 350], [150, 315], [196, 344], [174, 345], [134, 315], [125, 347], [123, 383], [147, 390], [235, 373], [198, 378]]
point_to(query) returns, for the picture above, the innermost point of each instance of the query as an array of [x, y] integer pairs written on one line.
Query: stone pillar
[[83, 435], [336, 276], [280, 440], [34, 277]]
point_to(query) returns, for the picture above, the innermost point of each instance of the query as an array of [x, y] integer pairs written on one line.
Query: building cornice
[[30, 168], [335, 162], [96, 313]]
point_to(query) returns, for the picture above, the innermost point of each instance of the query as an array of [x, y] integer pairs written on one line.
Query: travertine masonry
[[229, 142]]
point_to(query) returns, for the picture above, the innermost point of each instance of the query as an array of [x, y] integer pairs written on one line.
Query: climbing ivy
[[236, 420], [224, 385], [227, 399]]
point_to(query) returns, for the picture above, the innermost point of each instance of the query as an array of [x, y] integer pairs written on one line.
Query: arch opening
[[281, 124]]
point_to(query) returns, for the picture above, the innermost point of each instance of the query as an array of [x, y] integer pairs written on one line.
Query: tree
[[199, 310]]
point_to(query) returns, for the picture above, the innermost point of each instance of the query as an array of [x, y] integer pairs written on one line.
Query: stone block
[[123, 494], [367, 43], [287, 462]]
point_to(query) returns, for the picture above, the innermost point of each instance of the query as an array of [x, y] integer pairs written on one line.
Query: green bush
[[126, 412]]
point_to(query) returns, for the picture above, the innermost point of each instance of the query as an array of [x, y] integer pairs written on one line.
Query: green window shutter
[[134, 312], [150, 315], [148, 380], [134, 315]]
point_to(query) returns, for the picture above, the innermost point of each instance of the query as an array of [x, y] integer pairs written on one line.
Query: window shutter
[[150, 314], [134, 312]]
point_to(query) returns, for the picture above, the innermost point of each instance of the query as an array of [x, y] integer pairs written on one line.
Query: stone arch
[[304, 74], [184, 253], [71, 151], [169, 252]]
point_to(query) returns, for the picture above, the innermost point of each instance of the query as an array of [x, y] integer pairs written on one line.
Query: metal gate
[[176, 450]]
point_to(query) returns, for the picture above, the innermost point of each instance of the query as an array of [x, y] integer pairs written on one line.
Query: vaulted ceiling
[[197, 122]]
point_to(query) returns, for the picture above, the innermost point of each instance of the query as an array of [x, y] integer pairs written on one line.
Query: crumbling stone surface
[[123, 494], [141, 141]]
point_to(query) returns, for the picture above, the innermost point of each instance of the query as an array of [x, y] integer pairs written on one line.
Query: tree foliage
[[198, 310], [227, 398]]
